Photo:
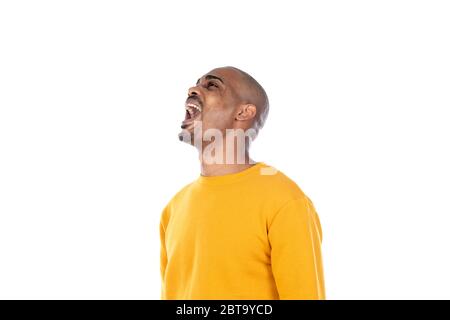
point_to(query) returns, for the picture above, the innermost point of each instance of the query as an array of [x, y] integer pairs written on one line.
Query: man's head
[[226, 98]]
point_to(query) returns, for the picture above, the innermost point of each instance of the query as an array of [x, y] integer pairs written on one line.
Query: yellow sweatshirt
[[248, 235]]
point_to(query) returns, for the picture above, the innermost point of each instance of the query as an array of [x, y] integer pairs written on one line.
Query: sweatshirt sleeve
[[295, 237], [163, 252]]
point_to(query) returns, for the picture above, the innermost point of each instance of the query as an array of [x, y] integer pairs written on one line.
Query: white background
[[91, 99]]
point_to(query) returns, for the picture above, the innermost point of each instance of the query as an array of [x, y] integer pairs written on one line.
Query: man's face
[[213, 100]]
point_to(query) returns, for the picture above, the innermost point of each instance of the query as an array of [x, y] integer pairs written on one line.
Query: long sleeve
[[163, 256], [295, 237]]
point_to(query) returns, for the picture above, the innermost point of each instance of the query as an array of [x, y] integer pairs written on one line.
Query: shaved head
[[250, 91]]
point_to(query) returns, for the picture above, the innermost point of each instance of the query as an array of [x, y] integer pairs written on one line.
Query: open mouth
[[193, 112]]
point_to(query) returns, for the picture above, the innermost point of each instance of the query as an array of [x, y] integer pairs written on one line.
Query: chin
[[186, 136]]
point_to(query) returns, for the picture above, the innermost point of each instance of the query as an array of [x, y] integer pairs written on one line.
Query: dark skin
[[228, 100]]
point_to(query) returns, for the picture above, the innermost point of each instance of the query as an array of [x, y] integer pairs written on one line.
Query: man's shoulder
[[275, 181], [279, 190], [174, 200], [181, 192]]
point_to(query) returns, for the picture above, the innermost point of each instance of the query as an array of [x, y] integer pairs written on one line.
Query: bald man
[[242, 229]]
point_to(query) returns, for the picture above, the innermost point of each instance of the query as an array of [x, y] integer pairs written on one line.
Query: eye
[[212, 84]]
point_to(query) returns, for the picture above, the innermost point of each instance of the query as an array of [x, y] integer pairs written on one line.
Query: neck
[[229, 162], [215, 169]]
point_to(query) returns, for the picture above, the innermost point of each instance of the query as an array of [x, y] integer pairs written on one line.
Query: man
[[242, 230]]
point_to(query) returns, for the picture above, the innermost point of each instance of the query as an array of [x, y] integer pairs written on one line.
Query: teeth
[[193, 106]]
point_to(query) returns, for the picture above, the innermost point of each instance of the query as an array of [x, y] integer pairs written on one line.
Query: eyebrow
[[209, 77]]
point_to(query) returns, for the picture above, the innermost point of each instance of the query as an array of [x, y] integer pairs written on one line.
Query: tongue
[[195, 113]]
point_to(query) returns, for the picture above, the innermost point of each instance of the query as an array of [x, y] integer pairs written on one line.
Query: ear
[[246, 112]]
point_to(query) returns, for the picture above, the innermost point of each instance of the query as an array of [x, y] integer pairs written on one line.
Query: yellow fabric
[[249, 235]]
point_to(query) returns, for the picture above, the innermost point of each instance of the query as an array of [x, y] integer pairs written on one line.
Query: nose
[[193, 91]]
